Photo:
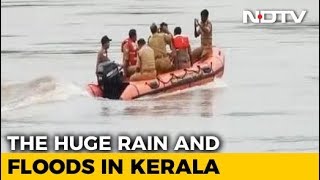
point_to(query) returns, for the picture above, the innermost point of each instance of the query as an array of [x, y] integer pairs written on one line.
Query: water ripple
[[129, 13], [303, 26], [41, 4], [48, 52], [10, 35], [238, 114]]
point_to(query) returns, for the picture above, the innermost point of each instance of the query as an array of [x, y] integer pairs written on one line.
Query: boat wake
[[38, 91]]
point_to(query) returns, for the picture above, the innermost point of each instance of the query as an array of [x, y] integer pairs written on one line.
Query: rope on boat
[[181, 77], [136, 88]]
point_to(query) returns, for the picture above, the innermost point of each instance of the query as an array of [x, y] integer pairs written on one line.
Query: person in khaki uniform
[[146, 68], [158, 42], [205, 30], [165, 29]]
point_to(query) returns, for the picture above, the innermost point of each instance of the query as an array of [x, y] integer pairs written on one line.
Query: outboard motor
[[110, 79]]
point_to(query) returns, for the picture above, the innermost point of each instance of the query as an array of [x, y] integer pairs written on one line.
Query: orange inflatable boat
[[200, 73]]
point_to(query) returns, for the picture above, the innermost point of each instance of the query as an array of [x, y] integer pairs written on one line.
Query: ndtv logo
[[260, 17]]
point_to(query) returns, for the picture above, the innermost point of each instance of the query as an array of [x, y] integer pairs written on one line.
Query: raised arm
[[206, 28], [196, 30]]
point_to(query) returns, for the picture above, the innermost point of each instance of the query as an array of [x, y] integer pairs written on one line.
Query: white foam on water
[[38, 91]]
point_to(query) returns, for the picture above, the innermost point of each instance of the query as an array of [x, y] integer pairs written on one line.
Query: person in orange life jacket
[[130, 53], [146, 68], [203, 29], [183, 49]]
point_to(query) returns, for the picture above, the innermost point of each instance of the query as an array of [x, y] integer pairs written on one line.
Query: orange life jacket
[[180, 42], [133, 51]]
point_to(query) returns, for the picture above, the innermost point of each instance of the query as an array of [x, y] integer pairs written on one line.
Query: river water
[[267, 100]]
